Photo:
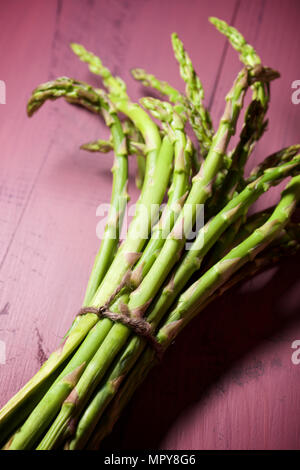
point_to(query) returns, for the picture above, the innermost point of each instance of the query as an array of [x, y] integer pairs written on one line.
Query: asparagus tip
[[76, 48]]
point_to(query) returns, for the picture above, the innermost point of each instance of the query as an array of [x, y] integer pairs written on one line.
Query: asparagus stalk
[[232, 176], [99, 401], [198, 114], [273, 160], [234, 231], [242, 228], [66, 385], [177, 191], [119, 199], [136, 147], [248, 56], [254, 124], [277, 158]]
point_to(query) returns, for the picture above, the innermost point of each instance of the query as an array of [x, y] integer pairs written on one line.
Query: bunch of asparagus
[[154, 278]]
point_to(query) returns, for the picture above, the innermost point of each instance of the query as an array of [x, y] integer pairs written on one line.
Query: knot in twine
[[138, 325]]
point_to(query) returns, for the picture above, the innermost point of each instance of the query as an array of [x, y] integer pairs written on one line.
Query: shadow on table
[[209, 349]]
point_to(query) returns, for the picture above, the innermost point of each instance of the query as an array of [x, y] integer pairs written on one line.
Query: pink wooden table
[[229, 381]]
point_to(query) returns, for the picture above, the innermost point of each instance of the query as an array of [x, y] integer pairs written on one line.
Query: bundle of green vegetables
[[143, 291]]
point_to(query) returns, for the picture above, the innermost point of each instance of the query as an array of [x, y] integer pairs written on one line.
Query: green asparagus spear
[[108, 351], [234, 233], [254, 122], [177, 191], [200, 117]]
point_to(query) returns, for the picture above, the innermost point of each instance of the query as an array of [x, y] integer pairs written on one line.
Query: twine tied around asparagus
[[138, 325]]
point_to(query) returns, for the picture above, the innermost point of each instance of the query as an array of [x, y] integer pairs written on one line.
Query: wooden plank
[[19, 169]]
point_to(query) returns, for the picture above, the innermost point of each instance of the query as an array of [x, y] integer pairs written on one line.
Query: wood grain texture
[[228, 382]]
